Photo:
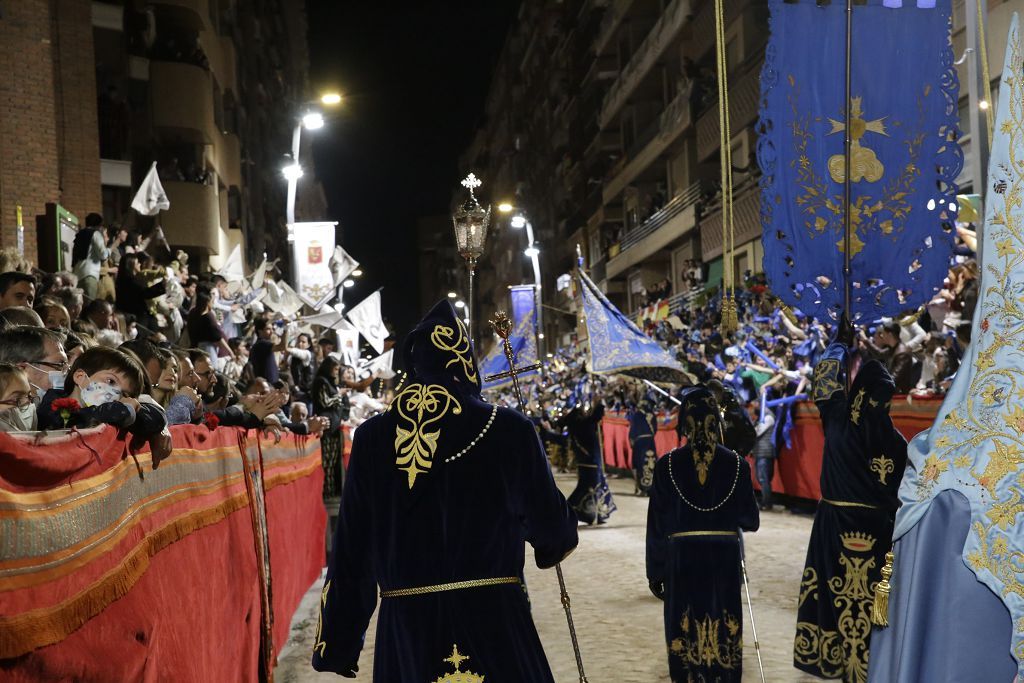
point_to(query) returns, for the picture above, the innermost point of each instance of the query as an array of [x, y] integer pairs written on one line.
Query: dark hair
[[327, 339], [893, 328], [93, 220], [124, 269], [203, 298], [102, 358], [23, 344], [13, 277], [197, 355], [82, 326], [144, 350], [235, 343], [327, 366], [260, 324], [95, 306], [73, 341]]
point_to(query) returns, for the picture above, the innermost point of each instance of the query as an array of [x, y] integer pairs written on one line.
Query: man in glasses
[[40, 353]]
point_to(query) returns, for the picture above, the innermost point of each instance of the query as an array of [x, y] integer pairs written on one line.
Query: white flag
[[280, 297], [381, 365], [151, 198], [348, 347], [342, 265], [366, 317], [331, 317]]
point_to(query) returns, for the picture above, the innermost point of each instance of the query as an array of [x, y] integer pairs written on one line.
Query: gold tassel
[[880, 609]]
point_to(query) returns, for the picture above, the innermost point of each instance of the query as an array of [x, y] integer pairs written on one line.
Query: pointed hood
[[702, 423], [438, 351]]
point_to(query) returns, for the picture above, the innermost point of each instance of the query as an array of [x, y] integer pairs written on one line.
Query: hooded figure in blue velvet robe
[[643, 423], [701, 497], [442, 494], [861, 469], [591, 499]]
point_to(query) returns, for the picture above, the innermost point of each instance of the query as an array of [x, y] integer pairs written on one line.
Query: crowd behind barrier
[[117, 567]]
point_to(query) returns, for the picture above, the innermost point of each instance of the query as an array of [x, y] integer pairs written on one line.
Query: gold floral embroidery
[[883, 467], [855, 407], [458, 676], [647, 473], [842, 653], [320, 644], [419, 406], [703, 445], [444, 338], [826, 380], [709, 642]]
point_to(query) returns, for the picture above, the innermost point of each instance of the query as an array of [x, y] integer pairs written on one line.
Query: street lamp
[[532, 251], [505, 207], [311, 119], [518, 221], [470, 222], [292, 172]]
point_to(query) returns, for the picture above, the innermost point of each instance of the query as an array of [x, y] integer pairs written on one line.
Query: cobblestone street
[[618, 621]]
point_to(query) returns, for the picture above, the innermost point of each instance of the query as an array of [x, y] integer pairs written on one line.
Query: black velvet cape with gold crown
[[861, 471], [442, 494], [701, 497]]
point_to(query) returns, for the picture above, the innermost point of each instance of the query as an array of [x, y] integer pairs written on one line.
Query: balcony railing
[[744, 98], [688, 198], [610, 22], [654, 45], [182, 101], [194, 217], [746, 222]]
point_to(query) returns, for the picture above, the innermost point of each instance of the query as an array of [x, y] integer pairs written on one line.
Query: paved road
[[619, 622]]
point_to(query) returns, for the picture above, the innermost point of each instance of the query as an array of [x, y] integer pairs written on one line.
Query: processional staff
[[503, 327]]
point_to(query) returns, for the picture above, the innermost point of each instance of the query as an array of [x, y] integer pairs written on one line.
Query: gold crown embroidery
[[857, 541], [420, 406], [458, 676], [444, 339]]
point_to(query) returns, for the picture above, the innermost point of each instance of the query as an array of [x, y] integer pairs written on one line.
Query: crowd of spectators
[[130, 337]]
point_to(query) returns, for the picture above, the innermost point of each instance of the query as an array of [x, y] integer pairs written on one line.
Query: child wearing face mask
[[16, 405], [106, 383]]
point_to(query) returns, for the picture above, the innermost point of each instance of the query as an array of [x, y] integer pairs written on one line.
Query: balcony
[[673, 122], [610, 23], [221, 53], [225, 156], [746, 222], [190, 14], [703, 33], [674, 220], [744, 99], [181, 98], [194, 217], [650, 51]]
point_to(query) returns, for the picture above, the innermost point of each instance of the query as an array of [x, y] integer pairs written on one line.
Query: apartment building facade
[[602, 123], [207, 89]]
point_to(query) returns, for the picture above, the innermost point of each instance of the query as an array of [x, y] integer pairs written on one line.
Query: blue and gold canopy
[[618, 347]]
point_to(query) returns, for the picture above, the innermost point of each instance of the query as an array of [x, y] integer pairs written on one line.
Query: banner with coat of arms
[[311, 255], [904, 155]]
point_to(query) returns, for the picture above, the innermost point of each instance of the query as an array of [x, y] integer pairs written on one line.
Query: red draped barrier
[[798, 468], [109, 576]]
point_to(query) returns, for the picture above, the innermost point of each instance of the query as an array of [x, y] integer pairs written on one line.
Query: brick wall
[[43, 63]]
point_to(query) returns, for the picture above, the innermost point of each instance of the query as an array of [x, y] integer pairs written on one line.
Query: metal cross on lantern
[[471, 221]]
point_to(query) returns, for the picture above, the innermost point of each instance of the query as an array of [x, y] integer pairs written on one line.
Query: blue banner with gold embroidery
[[904, 155], [618, 347], [523, 339]]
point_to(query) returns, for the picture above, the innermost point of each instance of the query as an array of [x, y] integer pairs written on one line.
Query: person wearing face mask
[[107, 384], [40, 354], [15, 398]]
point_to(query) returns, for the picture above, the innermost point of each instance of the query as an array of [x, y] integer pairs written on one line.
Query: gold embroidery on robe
[[842, 653], [458, 676], [708, 642], [647, 473], [855, 407], [419, 406], [319, 644], [883, 467], [444, 338], [825, 381]]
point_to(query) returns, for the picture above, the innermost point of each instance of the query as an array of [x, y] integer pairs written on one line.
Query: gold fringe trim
[[36, 628], [880, 608]]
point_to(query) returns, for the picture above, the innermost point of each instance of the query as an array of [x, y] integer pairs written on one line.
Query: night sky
[[414, 76]]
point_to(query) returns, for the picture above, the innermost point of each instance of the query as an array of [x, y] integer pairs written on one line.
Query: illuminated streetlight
[[330, 99], [532, 251], [460, 304], [349, 283], [452, 295], [357, 273], [518, 222], [292, 172], [313, 120], [505, 207]]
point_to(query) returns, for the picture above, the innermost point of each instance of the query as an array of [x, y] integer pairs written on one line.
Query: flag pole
[[847, 144]]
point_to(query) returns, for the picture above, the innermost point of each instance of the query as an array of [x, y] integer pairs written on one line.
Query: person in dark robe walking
[[591, 499], [443, 492], [862, 466], [701, 498], [643, 424]]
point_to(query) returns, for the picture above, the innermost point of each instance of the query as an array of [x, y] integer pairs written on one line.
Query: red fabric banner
[[798, 468], [106, 575]]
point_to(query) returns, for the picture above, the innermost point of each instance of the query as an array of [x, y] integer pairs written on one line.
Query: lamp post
[[470, 222], [311, 119]]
